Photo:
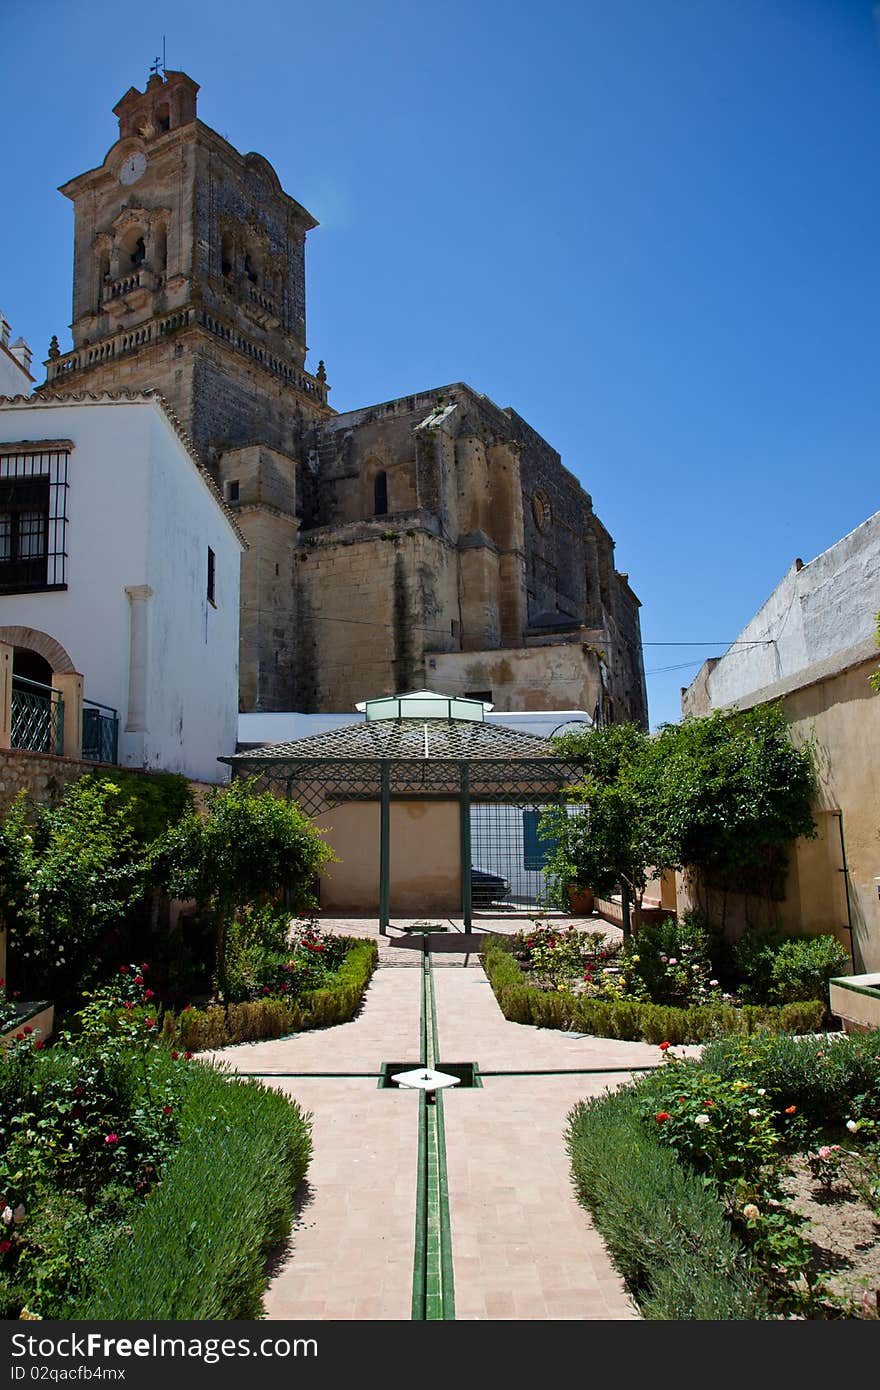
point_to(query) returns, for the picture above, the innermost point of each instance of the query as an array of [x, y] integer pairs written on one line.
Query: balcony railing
[[100, 733], [37, 717]]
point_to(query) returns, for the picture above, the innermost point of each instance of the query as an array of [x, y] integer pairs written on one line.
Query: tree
[[874, 678], [608, 834], [726, 794], [70, 873], [735, 793], [245, 847]]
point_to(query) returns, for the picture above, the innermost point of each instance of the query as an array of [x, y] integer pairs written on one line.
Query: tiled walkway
[[522, 1248]]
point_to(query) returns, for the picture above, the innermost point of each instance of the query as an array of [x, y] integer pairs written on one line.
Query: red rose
[[138, 979], [111, 1139], [790, 1109], [150, 1022], [174, 1056], [661, 1116], [39, 1045], [128, 1004], [188, 1056], [4, 1246], [145, 968], [123, 969], [664, 1046], [148, 994], [28, 1031], [166, 1109]]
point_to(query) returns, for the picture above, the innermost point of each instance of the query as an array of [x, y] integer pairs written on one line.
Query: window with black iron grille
[[33, 519]]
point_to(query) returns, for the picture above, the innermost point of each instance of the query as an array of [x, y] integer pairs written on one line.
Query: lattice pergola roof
[[380, 760], [449, 739]]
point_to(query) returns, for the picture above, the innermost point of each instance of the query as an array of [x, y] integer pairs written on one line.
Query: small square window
[[211, 569], [232, 490]]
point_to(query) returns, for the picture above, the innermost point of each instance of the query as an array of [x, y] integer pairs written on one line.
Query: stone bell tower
[[189, 277]]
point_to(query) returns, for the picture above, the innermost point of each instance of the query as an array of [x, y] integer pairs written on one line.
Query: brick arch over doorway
[[42, 643]]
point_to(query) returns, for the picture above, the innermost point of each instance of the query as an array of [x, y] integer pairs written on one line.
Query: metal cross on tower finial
[[158, 64]]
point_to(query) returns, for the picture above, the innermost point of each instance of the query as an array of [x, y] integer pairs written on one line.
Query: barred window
[[33, 517]]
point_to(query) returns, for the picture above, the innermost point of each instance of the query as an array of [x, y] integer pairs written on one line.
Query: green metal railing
[[37, 717], [100, 733]]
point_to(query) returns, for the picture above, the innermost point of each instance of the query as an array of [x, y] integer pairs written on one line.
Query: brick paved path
[[522, 1248]]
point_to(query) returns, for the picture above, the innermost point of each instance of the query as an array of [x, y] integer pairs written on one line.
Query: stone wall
[[45, 777]]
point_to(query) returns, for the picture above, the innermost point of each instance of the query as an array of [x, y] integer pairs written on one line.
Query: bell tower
[[189, 277]]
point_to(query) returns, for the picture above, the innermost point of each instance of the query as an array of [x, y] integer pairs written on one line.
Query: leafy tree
[[726, 795], [735, 793], [246, 847], [875, 677], [69, 873], [609, 832]]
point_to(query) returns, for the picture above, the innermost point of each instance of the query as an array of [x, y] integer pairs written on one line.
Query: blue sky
[[652, 229]]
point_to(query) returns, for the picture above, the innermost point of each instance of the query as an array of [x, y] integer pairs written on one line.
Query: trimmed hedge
[[198, 1030], [198, 1245], [629, 1019], [664, 1228]]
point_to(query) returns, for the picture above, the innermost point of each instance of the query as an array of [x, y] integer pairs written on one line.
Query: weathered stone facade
[[433, 539]]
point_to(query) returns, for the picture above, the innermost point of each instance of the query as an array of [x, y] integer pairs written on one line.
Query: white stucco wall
[[822, 608], [141, 514], [15, 380]]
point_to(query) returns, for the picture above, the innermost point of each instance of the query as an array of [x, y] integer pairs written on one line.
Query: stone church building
[[432, 540]]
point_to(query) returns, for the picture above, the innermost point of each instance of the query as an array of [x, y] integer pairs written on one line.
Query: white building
[[119, 577], [15, 363]]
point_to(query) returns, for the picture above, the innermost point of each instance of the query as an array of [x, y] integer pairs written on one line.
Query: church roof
[[434, 740]]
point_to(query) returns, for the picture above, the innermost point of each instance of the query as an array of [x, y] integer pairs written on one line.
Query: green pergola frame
[[410, 759]]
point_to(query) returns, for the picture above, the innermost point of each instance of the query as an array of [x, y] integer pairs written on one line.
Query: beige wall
[[842, 714], [425, 874], [564, 676]]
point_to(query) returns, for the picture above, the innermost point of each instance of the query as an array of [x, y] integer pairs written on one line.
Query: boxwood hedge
[[629, 1019]]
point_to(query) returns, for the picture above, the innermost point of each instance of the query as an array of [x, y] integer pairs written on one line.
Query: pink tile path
[[522, 1247]]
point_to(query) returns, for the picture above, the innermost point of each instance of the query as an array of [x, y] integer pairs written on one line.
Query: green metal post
[[464, 808], [384, 850]]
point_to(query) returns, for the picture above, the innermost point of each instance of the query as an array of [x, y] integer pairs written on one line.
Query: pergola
[[419, 747]]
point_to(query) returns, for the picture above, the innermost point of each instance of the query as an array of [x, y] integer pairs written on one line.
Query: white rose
[[701, 1120], [852, 1126], [7, 1215], [754, 1113]]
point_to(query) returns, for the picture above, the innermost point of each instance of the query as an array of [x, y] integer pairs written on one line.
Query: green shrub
[[153, 801], [199, 1030], [822, 1076], [664, 1228], [197, 1248], [787, 969], [632, 1019], [672, 959]]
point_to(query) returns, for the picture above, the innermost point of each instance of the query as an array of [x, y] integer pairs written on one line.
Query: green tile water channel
[[433, 1296]]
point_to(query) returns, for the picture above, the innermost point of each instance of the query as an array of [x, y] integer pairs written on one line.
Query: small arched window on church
[[103, 274], [380, 494], [163, 118], [138, 254], [250, 268], [227, 254], [160, 248]]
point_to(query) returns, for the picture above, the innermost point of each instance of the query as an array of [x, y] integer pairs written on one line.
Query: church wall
[[558, 676], [367, 608], [267, 651]]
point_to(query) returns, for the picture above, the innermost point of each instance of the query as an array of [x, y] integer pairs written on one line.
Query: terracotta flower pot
[[581, 901]]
